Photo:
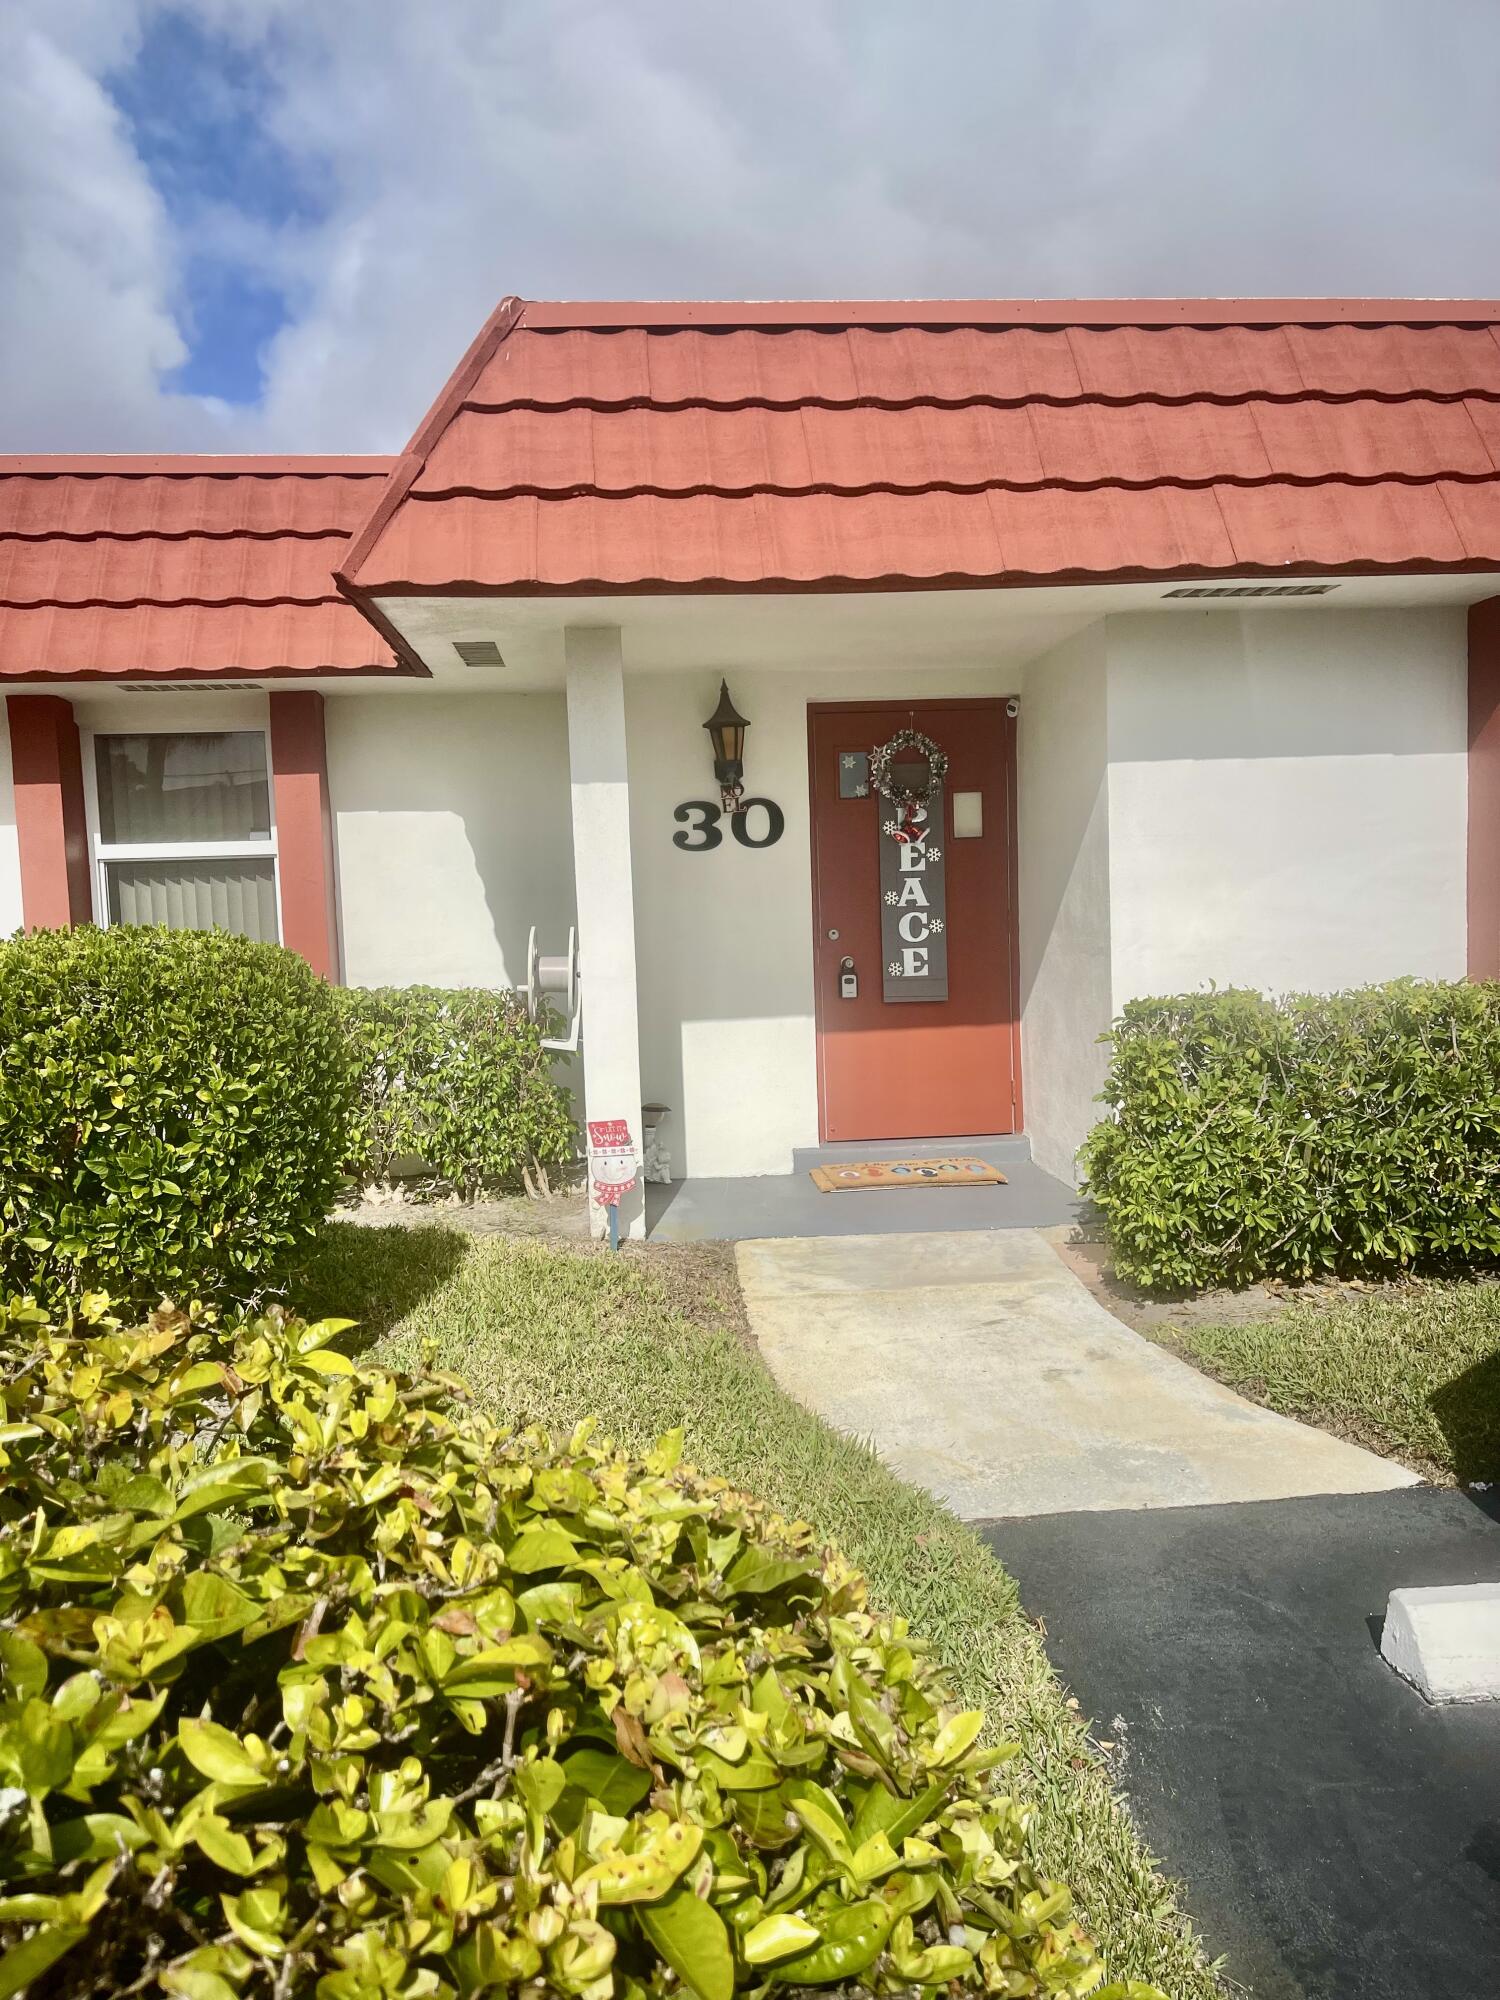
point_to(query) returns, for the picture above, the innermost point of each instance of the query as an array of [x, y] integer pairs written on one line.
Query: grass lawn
[[550, 1333], [1413, 1372]]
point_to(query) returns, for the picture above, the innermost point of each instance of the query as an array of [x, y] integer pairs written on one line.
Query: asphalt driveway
[[1338, 1838]]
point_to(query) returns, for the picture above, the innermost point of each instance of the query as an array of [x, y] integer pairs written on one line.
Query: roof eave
[[841, 585]]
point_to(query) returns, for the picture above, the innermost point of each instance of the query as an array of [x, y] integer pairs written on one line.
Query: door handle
[[848, 980]]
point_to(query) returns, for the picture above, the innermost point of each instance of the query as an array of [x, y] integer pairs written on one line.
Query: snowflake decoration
[[934, 854], [890, 828], [891, 896], [894, 969], [850, 760], [936, 927], [861, 791]]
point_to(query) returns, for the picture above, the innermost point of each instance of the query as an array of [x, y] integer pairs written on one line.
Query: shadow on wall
[[1065, 917], [454, 835], [1062, 822]]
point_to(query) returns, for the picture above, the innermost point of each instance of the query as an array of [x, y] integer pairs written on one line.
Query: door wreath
[[911, 801]]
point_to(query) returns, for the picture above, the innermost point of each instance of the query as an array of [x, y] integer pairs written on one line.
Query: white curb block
[[1446, 1641]]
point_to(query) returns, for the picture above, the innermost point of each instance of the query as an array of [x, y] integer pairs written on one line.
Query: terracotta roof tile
[[609, 447], [805, 538], [1415, 439], [1485, 417], [186, 569], [180, 567], [577, 450], [191, 504], [181, 641], [1383, 526], [798, 365]]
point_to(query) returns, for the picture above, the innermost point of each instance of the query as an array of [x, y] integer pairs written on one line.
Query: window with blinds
[[184, 831]]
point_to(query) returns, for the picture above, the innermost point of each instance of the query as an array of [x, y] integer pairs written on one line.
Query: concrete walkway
[[981, 1368]]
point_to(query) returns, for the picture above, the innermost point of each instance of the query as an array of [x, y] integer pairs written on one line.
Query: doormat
[[850, 1175]]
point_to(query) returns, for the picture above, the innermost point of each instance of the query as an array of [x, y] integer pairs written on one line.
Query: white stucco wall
[[1272, 798], [1287, 798], [10, 856], [724, 938], [1268, 797], [1063, 847], [452, 834]]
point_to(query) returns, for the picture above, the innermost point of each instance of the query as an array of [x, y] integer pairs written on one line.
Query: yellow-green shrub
[[1353, 1132], [174, 1112], [313, 1682], [458, 1080]]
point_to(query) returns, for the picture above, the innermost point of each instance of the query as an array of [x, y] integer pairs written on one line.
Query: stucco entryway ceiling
[[923, 630]]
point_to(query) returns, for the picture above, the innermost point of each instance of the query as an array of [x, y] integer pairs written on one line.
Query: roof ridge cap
[[202, 465], [582, 315], [404, 474]]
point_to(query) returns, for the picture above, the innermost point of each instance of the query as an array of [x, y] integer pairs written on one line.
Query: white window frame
[[102, 852]]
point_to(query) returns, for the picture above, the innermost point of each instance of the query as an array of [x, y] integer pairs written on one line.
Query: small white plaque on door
[[968, 815]]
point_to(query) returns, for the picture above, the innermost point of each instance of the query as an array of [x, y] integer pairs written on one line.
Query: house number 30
[[699, 826]]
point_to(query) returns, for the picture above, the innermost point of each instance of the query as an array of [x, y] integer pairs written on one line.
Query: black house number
[[699, 828]]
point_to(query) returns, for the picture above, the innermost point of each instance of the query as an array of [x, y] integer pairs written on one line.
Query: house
[[1171, 628]]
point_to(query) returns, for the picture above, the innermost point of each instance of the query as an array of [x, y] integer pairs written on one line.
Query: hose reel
[[554, 982]]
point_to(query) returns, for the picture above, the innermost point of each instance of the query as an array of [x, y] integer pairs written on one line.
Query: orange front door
[[899, 1069]]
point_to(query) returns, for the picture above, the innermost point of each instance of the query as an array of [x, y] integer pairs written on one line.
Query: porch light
[[726, 731]]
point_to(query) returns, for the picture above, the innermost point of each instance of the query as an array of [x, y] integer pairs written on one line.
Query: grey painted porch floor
[[979, 1366], [778, 1205]]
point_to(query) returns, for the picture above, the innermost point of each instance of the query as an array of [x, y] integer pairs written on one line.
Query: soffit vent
[[479, 652], [1252, 590], [191, 687]]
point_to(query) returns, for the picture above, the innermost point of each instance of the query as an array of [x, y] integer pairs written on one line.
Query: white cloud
[[87, 328], [675, 148]]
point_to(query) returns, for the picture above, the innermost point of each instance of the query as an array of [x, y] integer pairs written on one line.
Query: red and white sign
[[612, 1161]]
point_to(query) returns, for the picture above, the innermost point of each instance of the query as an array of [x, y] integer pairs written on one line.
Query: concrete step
[[997, 1149]]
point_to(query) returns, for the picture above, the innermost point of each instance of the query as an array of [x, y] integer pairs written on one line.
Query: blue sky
[[197, 104], [276, 224]]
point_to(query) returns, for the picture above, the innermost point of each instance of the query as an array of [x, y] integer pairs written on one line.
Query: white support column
[[606, 900]]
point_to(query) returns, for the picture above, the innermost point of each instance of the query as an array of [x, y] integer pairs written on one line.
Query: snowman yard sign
[[612, 1168]]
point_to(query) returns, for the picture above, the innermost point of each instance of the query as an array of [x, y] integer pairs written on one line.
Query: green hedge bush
[[315, 1683], [1253, 1137], [174, 1112], [458, 1080]]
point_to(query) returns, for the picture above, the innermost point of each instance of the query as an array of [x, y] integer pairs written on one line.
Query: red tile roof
[[182, 567], [632, 447], [603, 447]]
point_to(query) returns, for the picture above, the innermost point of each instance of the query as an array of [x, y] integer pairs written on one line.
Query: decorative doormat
[[850, 1175]]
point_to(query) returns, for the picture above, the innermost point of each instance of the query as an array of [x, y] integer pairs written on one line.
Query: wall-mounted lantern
[[726, 731]]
